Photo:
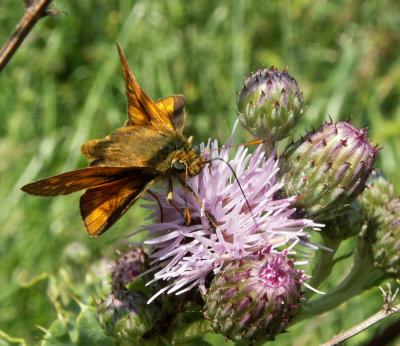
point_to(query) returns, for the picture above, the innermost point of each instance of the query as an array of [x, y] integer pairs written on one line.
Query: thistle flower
[[256, 297], [270, 104], [222, 227], [327, 169]]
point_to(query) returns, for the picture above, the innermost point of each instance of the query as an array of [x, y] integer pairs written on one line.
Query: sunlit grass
[[64, 86]]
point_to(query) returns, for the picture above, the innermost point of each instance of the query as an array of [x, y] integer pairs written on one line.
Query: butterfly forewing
[[66, 183], [142, 110]]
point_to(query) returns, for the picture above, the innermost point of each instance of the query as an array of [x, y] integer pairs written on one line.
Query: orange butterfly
[[149, 147]]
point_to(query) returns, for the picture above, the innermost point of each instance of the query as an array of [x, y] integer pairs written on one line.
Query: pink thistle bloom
[[185, 254]]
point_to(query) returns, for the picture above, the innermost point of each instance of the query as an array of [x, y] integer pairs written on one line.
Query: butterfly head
[[188, 160]]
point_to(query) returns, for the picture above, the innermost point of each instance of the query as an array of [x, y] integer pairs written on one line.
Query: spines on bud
[[376, 196], [327, 169], [386, 240], [382, 236], [254, 298], [126, 315], [270, 104]]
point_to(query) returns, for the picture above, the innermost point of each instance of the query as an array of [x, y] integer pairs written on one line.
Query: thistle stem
[[324, 265], [194, 330], [362, 277], [362, 326]]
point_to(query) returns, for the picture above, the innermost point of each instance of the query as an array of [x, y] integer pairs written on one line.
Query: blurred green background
[[64, 86]]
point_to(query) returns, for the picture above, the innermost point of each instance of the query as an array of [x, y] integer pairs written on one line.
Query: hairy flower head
[[232, 215]]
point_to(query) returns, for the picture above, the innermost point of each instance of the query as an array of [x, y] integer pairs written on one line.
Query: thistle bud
[[327, 169], [374, 199], [254, 297], [270, 104], [126, 314], [384, 235], [127, 268]]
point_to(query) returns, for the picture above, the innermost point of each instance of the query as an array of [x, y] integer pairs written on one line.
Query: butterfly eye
[[178, 166]]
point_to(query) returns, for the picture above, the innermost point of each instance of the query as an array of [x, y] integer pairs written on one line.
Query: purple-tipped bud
[[383, 235], [376, 196], [126, 315], [127, 268], [270, 104], [254, 298], [327, 169]]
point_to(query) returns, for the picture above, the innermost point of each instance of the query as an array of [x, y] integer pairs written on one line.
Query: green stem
[[362, 277], [324, 265], [191, 331]]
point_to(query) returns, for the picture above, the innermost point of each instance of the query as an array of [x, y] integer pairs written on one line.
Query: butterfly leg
[[210, 217], [152, 194], [170, 197]]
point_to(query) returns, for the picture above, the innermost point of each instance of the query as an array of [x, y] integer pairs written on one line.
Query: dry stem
[[34, 10]]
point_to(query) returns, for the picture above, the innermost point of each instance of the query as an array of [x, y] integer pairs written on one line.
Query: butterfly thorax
[[176, 156], [165, 153]]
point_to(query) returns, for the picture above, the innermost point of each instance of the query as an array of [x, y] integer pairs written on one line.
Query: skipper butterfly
[[150, 147]]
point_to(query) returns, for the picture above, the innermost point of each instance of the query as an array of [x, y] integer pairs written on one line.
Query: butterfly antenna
[[188, 218], [238, 182], [259, 141]]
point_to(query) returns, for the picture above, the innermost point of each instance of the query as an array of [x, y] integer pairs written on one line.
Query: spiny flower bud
[[374, 199], [254, 298], [384, 234], [327, 169], [126, 314], [270, 104], [127, 268]]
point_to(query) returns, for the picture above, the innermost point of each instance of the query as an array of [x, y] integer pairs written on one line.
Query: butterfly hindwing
[[174, 106], [103, 205]]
